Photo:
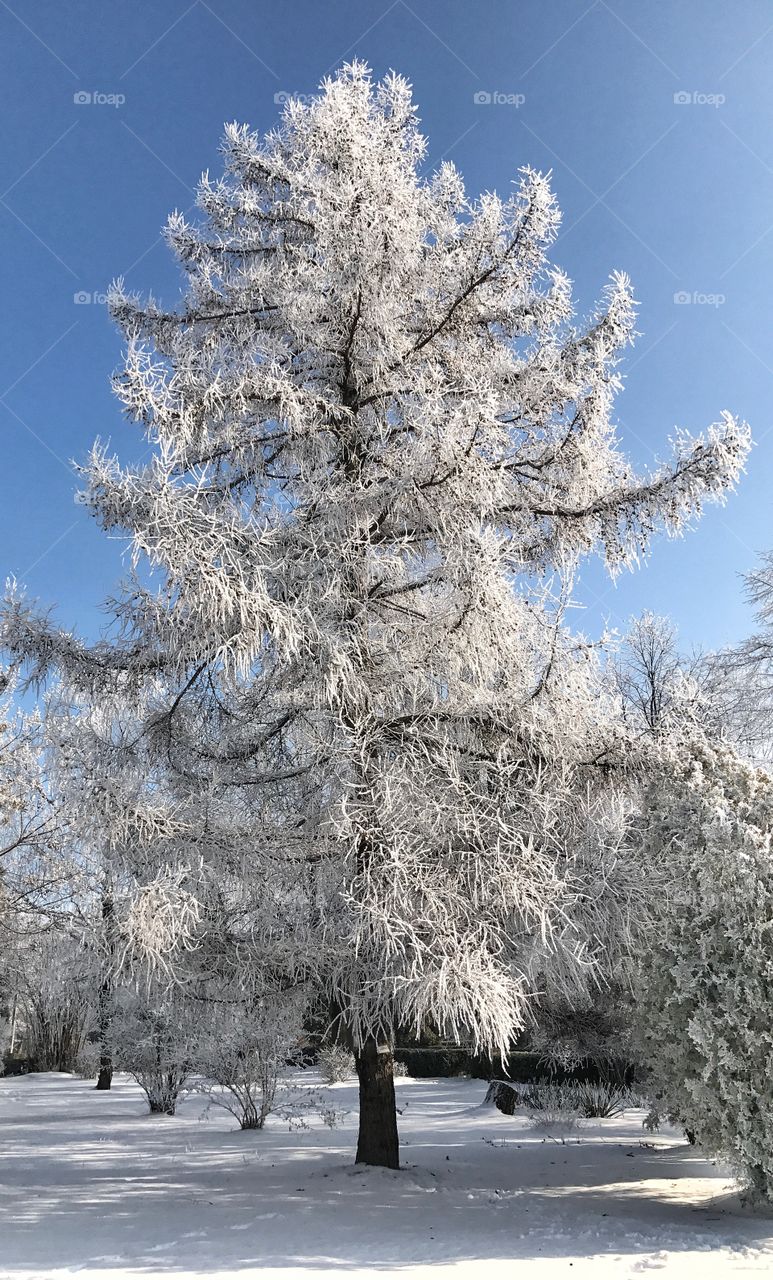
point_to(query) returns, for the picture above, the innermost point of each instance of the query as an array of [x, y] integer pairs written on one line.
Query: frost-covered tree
[[606, 893], [704, 999], [649, 671], [739, 678], [662, 687], [35, 869], [55, 992], [34, 873], [127, 845], [381, 445], [727, 692]]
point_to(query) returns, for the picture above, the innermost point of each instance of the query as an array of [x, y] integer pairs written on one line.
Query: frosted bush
[[87, 1062], [336, 1064], [156, 1039], [553, 1107], [603, 1100], [705, 994], [244, 1057], [587, 1032]]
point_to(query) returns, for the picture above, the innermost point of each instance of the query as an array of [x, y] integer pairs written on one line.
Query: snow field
[[93, 1185]]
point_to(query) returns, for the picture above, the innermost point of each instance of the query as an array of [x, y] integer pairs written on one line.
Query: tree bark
[[105, 1003], [105, 1077], [12, 1043], [378, 1141]]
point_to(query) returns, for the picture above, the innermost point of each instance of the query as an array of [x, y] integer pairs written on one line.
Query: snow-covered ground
[[90, 1183]]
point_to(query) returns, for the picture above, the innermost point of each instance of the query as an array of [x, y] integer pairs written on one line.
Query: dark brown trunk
[[105, 1003], [105, 1077], [378, 1141]]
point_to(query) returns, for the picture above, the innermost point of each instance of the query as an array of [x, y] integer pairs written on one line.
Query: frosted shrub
[[553, 1107], [244, 1057], [652, 1121], [156, 1040], [336, 1063], [587, 1032], [87, 1062], [655, 1117], [601, 1101], [705, 997]]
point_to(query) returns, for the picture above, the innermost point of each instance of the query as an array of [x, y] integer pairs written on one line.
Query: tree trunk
[[105, 1002], [105, 1077], [378, 1142], [12, 1044]]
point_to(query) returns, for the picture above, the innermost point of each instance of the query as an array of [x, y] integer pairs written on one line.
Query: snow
[[92, 1184]]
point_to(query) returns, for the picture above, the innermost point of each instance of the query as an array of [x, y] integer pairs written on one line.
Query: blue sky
[[678, 193]]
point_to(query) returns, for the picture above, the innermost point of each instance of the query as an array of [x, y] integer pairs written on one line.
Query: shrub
[[601, 1101], [553, 1106], [15, 1066], [425, 1064], [87, 1062], [586, 1041], [156, 1039], [705, 996], [335, 1063], [244, 1055]]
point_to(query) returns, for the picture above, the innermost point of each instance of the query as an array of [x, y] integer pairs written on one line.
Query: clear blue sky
[[678, 194]]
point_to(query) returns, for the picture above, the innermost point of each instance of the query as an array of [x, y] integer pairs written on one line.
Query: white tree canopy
[[381, 444]]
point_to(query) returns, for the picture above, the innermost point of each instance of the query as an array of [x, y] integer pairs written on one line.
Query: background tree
[[727, 692], [34, 870], [35, 866], [55, 991], [379, 437], [649, 671], [739, 679], [127, 847]]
